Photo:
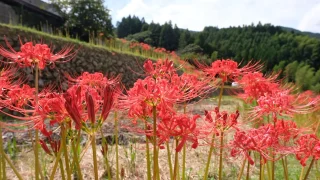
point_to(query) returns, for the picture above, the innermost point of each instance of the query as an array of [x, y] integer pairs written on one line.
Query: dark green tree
[[167, 36], [86, 17], [185, 39]]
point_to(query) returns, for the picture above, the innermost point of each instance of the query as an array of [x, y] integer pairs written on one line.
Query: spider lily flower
[[148, 93], [9, 79], [163, 88], [85, 99], [286, 130], [223, 121], [54, 144], [7, 84], [162, 68], [283, 103], [73, 106], [30, 55], [109, 97], [256, 85], [93, 80], [307, 146], [259, 140], [17, 99], [227, 69], [190, 87], [20, 96], [180, 126], [51, 106], [90, 108]]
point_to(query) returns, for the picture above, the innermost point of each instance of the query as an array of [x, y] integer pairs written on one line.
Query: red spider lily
[[162, 88], [147, 93], [133, 44], [73, 105], [21, 100], [15, 97], [54, 144], [85, 107], [308, 96], [162, 68], [286, 130], [242, 144], [255, 85], [51, 106], [180, 126], [145, 47], [160, 50], [308, 146], [40, 54], [7, 83], [9, 78], [259, 140], [109, 96], [123, 41], [281, 102], [90, 108], [20, 96], [223, 121], [190, 87], [227, 69], [93, 80]]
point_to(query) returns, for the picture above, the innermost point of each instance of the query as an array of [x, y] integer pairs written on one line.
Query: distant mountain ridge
[[310, 34]]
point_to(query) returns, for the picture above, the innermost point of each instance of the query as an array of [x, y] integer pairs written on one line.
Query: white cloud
[[311, 21], [195, 14]]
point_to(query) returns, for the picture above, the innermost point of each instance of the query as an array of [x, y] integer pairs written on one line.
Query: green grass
[[71, 40]]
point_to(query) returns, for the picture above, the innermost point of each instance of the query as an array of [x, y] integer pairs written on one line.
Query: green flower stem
[[213, 139], [104, 143], [242, 168], [286, 165], [155, 149], [169, 160], [94, 152], [317, 168], [309, 169], [261, 169], [248, 170], [61, 169], [184, 151], [58, 159], [76, 159], [3, 161], [148, 154], [209, 158], [116, 139], [284, 169], [301, 173], [65, 151], [272, 167], [36, 144], [221, 155], [176, 162], [184, 162], [12, 166], [269, 170]]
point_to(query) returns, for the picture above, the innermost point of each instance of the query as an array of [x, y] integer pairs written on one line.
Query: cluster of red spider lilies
[[141, 49], [267, 129]]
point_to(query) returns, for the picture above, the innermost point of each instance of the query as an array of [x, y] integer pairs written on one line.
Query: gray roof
[[37, 6]]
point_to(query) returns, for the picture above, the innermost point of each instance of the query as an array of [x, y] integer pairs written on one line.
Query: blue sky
[[196, 14]]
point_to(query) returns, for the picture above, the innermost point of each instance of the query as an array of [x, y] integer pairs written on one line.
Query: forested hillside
[[295, 54]]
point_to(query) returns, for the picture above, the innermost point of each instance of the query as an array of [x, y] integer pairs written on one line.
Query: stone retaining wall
[[89, 58]]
